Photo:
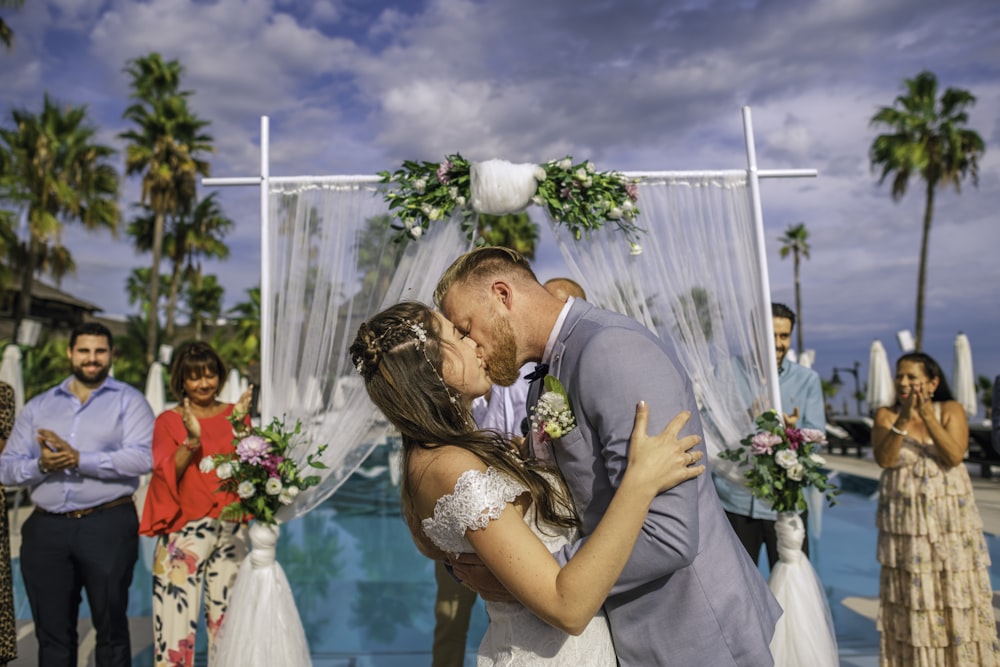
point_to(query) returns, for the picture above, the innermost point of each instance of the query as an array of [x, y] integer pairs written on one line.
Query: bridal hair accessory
[[782, 463], [574, 194], [393, 336], [551, 416]]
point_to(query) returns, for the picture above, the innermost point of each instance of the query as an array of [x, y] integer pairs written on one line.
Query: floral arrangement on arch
[[782, 462], [260, 471], [574, 194]]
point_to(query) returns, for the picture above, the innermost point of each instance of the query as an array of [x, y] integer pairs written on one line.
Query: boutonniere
[[552, 417]]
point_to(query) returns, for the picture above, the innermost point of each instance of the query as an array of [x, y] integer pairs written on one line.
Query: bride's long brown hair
[[402, 368]]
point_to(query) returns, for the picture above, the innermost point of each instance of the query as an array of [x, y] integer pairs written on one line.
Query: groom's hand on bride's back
[[470, 570]]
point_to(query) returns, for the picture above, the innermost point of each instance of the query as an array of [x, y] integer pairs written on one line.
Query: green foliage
[[781, 463], [985, 389], [44, 365], [514, 230]]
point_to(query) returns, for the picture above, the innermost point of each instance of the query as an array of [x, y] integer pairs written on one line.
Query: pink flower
[[253, 449], [270, 464], [442, 172], [795, 437], [764, 443], [813, 435], [633, 191]]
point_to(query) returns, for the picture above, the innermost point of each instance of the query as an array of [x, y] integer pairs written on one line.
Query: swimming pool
[[366, 595]]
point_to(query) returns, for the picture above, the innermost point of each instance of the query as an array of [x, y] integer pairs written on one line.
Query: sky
[[357, 86]]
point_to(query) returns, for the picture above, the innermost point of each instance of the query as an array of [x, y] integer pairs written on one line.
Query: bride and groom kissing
[[620, 552]]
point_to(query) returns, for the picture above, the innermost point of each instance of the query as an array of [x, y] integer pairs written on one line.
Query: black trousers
[[755, 532], [62, 556]]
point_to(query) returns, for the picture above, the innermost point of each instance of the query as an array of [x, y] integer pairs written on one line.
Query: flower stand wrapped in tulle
[[262, 627], [780, 463], [804, 634]]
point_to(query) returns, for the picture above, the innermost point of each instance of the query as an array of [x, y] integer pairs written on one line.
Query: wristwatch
[[42, 469]]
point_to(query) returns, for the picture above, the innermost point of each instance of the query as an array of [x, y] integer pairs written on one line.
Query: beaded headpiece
[[391, 337]]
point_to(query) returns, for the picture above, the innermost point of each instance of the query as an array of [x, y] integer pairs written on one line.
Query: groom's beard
[[502, 364]]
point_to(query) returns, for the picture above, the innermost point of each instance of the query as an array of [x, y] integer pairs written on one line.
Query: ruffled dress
[[935, 597], [515, 636]]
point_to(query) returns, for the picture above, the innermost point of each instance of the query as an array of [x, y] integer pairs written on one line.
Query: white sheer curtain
[[696, 283], [334, 263]]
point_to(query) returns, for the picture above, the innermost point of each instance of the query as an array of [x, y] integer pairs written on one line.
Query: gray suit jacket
[[690, 594]]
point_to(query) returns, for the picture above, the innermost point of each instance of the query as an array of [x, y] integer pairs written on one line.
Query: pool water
[[366, 595]]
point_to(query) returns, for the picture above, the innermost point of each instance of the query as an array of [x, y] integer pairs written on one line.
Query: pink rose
[[795, 438], [813, 435], [764, 443]]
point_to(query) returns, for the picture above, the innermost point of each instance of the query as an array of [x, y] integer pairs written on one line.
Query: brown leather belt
[[79, 514]]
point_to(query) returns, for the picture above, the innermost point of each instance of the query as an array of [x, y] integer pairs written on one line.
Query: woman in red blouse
[[194, 549]]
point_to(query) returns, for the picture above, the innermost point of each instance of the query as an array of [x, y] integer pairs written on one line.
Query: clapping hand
[[792, 419], [191, 422], [57, 454]]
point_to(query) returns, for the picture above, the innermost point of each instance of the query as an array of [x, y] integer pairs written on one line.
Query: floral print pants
[[204, 554]]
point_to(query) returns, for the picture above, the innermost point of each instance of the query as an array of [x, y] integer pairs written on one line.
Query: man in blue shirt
[[80, 448], [802, 406]]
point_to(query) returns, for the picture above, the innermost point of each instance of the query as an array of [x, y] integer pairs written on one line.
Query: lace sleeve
[[479, 497]]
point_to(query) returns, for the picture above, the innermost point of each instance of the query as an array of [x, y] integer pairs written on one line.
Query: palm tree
[[191, 234], [56, 173], [513, 230], [927, 137], [796, 242], [164, 147], [6, 34]]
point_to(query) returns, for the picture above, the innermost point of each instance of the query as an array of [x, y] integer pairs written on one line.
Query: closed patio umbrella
[[963, 383], [11, 373], [881, 388], [155, 395]]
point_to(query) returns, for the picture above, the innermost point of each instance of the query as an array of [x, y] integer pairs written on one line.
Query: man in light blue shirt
[[80, 448], [802, 406]]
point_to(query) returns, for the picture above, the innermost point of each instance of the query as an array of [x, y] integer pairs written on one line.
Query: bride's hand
[[662, 461]]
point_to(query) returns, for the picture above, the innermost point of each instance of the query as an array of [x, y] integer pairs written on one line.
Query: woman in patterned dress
[[8, 628], [935, 598], [195, 549], [468, 490]]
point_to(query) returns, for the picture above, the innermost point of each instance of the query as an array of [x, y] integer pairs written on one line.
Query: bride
[[467, 490]]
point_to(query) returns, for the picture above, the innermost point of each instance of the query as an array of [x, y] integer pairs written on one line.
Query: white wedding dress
[[515, 636]]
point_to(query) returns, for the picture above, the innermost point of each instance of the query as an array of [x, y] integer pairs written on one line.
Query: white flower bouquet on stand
[[780, 464], [262, 626]]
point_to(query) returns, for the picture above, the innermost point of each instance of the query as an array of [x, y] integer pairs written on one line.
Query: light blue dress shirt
[[113, 431], [799, 386]]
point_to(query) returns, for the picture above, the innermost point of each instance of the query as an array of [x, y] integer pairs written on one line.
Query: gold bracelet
[[897, 431], [188, 446]]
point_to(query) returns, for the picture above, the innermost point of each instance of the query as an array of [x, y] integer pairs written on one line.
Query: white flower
[[293, 491], [426, 209], [246, 490], [420, 185], [408, 223], [453, 192], [273, 486], [540, 174], [416, 232], [628, 205], [635, 249], [285, 498], [786, 458], [817, 459], [615, 214], [537, 200], [796, 471], [224, 471], [435, 214], [206, 464], [580, 174], [590, 167], [565, 164], [460, 202]]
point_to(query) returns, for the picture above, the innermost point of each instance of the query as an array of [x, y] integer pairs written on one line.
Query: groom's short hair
[[483, 262]]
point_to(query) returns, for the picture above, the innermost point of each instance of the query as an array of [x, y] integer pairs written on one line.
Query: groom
[[689, 594]]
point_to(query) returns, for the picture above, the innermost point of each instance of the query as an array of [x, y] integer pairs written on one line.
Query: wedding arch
[[331, 256]]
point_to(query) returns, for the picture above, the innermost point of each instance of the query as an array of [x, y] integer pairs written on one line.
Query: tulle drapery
[[334, 263], [695, 282]]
